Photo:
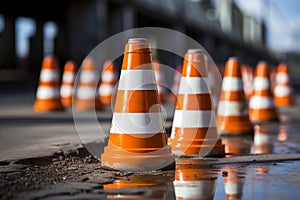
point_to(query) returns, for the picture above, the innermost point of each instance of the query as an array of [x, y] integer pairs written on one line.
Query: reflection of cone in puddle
[[283, 133], [234, 182], [283, 94], [195, 182], [47, 95], [232, 115], [175, 86], [262, 141], [146, 187], [247, 77], [86, 98], [161, 82], [261, 105], [66, 89], [194, 129], [137, 140], [237, 145], [109, 79]]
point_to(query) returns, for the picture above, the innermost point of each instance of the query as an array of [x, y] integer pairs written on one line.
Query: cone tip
[[195, 51], [138, 41], [233, 58]]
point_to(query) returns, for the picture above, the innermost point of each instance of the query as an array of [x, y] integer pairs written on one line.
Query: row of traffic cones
[[53, 96]]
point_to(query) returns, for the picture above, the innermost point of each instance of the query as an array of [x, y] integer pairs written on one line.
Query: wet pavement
[[41, 157]]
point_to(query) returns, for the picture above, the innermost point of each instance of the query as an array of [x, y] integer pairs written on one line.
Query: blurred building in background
[[70, 29]]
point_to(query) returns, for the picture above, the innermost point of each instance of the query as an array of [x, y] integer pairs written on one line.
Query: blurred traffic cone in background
[[263, 140], [232, 114], [86, 96], [283, 94], [175, 86], [273, 72], [161, 82], [247, 77], [195, 182], [159, 186], [137, 140], [261, 104], [109, 79], [194, 131], [66, 89], [233, 181], [48, 96]]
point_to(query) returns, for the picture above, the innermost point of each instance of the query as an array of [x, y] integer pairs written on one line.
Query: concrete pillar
[[208, 43], [36, 45], [128, 17], [8, 44]]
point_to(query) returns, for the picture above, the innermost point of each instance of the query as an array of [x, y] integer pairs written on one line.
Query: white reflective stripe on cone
[[281, 91], [68, 77], [282, 78], [108, 76], [232, 108], [45, 92], [85, 92], [193, 118], [66, 90], [260, 83], [232, 84], [193, 85], [87, 77], [259, 102], [203, 189], [137, 123], [137, 80], [106, 89], [49, 75]]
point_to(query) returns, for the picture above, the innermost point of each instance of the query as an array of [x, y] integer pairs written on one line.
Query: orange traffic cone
[[263, 140], [86, 96], [108, 82], [137, 140], [235, 146], [232, 115], [195, 182], [233, 182], [160, 79], [66, 89], [283, 94], [175, 86], [47, 96], [261, 105], [247, 77], [194, 129], [158, 185]]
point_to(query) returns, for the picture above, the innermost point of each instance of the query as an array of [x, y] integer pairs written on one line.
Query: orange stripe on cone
[[283, 94], [108, 82], [261, 104], [194, 130], [66, 89], [86, 95], [195, 182], [175, 86], [160, 79], [137, 139], [232, 115], [48, 96]]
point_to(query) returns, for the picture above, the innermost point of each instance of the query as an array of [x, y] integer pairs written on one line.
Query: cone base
[[48, 105], [66, 101], [82, 105], [283, 101], [118, 159], [258, 116]]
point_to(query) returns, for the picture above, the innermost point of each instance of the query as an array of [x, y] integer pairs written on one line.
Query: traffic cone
[[261, 104], [86, 96], [66, 89], [194, 129], [108, 82], [232, 114], [283, 94], [137, 140], [237, 145], [263, 140], [175, 86], [195, 182], [47, 96], [247, 77], [161, 82], [233, 182], [158, 185]]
